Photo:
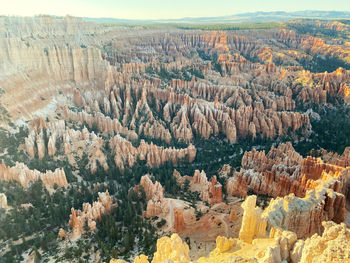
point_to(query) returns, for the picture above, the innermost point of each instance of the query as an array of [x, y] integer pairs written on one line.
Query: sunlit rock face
[[23, 175], [257, 244], [303, 216], [332, 246], [283, 171], [252, 224]]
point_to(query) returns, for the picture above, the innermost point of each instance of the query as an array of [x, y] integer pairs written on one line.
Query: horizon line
[[174, 19]]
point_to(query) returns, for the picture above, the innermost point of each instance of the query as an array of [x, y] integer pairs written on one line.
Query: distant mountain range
[[239, 18]]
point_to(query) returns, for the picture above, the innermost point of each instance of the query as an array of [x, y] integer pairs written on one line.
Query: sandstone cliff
[[210, 191]]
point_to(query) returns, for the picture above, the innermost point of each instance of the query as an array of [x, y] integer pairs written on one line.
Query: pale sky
[[162, 9]]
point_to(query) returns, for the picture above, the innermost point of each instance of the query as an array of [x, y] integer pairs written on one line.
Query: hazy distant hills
[[239, 18]]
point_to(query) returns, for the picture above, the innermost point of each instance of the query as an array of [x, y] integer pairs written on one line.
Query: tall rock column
[[252, 224], [3, 201]]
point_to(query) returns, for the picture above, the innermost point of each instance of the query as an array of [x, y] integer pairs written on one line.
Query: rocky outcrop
[[90, 214], [275, 173], [336, 159], [181, 218], [54, 138], [179, 222], [24, 176], [103, 123], [283, 171], [3, 201], [253, 226], [151, 189], [300, 215], [62, 234], [275, 247], [332, 246], [313, 168], [156, 204], [317, 86], [279, 246], [126, 154], [304, 215], [210, 191], [172, 249]]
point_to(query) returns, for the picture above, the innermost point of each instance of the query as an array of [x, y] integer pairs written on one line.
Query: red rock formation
[[336, 159], [283, 171], [316, 86], [151, 189], [73, 143], [305, 215], [156, 204], [104, 124], [126, 153], [275, 174], [62, 234], [23, 175], [237, 185], [313, 168], [90, 214], [215, 191], [210, 191], [179, 223]]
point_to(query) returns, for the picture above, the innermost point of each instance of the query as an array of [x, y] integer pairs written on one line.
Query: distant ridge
[[239, 18]]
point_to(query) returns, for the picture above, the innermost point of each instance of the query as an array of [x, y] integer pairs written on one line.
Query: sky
[[162, 9]]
